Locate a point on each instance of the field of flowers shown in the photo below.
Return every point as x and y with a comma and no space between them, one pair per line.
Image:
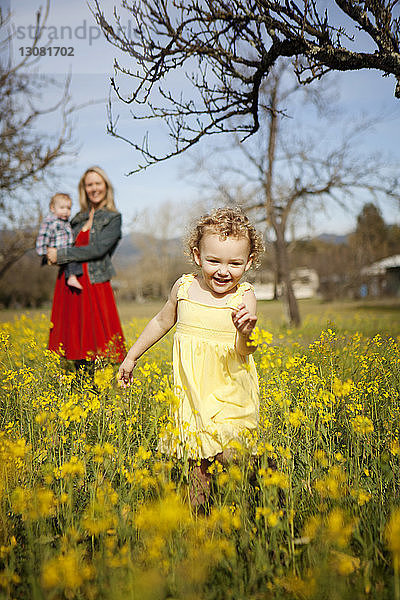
89,509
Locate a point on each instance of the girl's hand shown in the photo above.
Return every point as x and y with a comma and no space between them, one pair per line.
125,372
52,256
243,320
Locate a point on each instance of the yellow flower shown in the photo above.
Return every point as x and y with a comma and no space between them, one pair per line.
164,516
70,469
63,498
271,518
298,587
104,377
361,496
100,515
312,527
393,533
223,478
344,564
341,388
270,477
8,577
395,448
321,457
66,572
225,519
297,417
284,452
235,474
143,454
260,337
362,425
338,528
333,485
33,504
265,447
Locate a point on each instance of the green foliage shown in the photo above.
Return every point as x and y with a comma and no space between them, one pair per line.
89,508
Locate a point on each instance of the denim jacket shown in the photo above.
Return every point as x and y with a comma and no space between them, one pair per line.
105,234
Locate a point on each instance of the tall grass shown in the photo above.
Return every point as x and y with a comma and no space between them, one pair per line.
89,508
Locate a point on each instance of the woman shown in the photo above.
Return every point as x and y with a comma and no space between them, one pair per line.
85,323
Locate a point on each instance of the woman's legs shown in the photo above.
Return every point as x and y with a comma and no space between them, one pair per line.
85,367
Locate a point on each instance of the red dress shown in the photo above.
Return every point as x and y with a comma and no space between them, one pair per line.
85,323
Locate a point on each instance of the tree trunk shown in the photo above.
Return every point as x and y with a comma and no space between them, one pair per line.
277,273
291,301
276,221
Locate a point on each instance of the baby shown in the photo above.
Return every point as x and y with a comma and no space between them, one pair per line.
55,231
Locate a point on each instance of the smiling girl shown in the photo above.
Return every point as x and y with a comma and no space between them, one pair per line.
214,373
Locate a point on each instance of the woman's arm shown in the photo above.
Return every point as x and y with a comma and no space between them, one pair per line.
245,319
98,247
154,331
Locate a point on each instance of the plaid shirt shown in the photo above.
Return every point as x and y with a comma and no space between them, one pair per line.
54,233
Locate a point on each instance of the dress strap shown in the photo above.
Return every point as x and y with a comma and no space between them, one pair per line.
186,281
237,297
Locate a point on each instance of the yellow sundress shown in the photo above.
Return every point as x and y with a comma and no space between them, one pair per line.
216,388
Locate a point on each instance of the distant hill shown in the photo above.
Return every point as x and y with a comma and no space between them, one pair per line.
132,245
333,238
129,246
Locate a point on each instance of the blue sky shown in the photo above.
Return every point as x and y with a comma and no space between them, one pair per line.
71,25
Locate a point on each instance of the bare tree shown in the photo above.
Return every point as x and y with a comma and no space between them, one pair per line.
29,154
26,283
284,172
227,48
159,259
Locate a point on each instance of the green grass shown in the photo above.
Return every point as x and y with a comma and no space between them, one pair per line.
385,312
89,509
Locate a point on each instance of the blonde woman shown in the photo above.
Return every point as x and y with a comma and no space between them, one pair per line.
85,323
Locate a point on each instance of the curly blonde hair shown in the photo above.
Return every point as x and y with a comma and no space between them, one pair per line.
226,221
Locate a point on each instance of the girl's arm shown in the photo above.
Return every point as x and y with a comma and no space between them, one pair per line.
154,331
245,319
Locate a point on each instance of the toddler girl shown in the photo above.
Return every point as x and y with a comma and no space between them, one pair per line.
214,373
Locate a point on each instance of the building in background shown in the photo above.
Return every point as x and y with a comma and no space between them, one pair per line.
305,285
382,278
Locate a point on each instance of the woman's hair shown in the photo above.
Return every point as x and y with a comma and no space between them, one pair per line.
83,199
226,221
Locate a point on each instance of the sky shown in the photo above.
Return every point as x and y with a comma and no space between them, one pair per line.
88,58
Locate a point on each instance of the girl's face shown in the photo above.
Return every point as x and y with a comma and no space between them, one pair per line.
96,189
223,261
